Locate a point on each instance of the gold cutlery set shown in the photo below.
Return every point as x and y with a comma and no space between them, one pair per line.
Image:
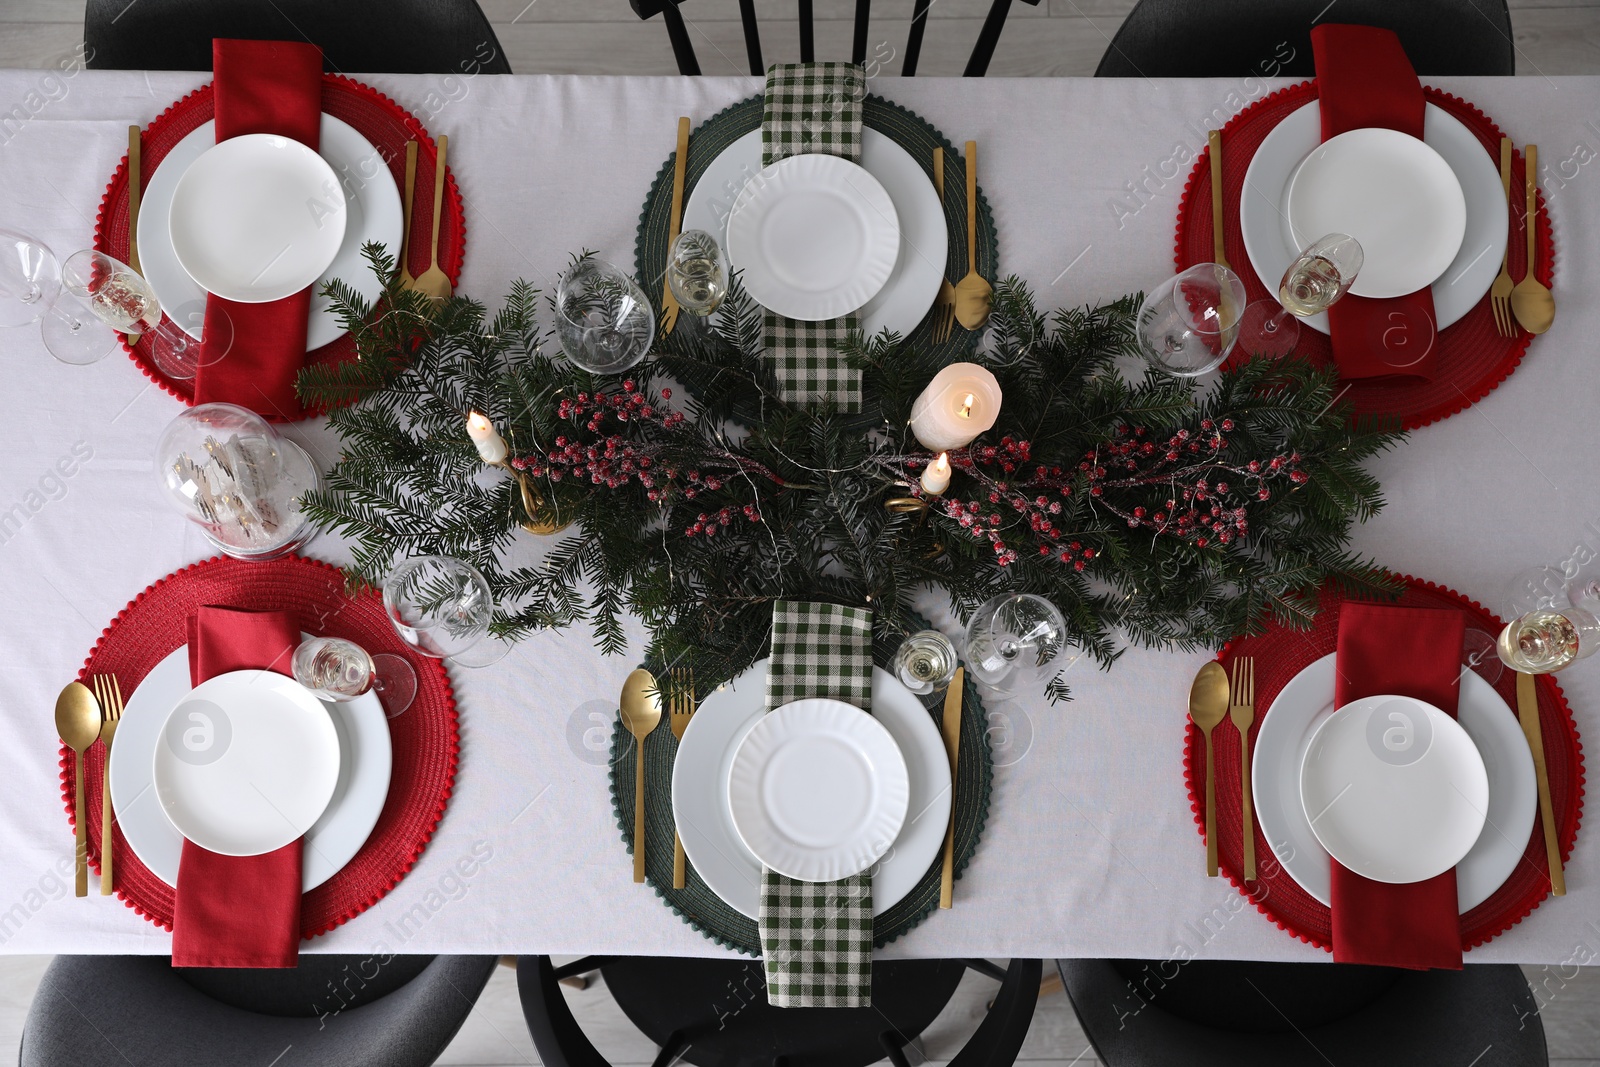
1528,303
1211,699
434,281
82,718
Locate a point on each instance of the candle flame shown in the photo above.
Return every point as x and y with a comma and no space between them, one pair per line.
966,406
942,464
477,421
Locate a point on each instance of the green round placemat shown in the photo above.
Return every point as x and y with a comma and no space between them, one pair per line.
708,913
906,128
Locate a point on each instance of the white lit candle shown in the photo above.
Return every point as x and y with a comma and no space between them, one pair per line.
936,478
962,401
491,446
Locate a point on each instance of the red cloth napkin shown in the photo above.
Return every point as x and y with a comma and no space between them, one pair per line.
261,87
1364,79
1414,652
238,911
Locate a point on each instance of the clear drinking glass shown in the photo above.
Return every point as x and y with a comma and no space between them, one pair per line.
30,279
119,296
1015,637
1268,331
1545,640
1321,274
339,670
604,321
441,606
697,274
925,662
1189,323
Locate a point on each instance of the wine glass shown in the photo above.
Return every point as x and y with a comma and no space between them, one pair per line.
339,670
121,298
30,279
1189,323
925,662
1546,640
604,321
1321,274
696,272
441,606
1015,637
1267,330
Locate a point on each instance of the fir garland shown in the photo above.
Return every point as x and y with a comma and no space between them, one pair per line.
1150,511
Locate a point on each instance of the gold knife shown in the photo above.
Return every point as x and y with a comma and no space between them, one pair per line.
1528,713
133,208
952,746
407,279
669,303
1217,255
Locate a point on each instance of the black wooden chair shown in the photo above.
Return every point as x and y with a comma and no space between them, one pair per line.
683,47
1272,38
714,1013
1147,1013
390,36
330,1011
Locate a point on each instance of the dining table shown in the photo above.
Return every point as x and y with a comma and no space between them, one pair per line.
1090,847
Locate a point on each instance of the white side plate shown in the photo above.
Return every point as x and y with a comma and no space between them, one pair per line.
1263,217
924,236
705,759
1285,734
372,204
358,797
816,237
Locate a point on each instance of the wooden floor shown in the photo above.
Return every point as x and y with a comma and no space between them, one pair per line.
1059,38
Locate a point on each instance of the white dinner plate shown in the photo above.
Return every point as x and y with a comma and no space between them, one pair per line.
1394,788
924,235
358,798
257,218
1271,245
372,207
818,790
705,761
1285,735
1391,192
816,236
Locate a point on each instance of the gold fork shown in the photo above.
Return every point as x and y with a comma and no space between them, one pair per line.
681,707
944,305
109,692
1242,710
1500,292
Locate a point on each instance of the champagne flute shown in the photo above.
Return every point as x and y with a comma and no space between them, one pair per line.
1546,640
696,272
120,297
1321,274
339,670
925,662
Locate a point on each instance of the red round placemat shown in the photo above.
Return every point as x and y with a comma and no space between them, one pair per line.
1280,654
1479,358
377,118
424,736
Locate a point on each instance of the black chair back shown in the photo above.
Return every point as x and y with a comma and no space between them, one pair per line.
1272,38
683,47
356,36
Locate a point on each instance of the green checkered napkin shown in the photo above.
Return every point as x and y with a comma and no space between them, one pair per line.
812,107
816,937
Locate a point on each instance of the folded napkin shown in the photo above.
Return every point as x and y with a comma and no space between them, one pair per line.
261,87
238,911
1414,652
816,937
812,108
1364,79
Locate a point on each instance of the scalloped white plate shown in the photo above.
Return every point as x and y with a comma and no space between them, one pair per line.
816,237
819,790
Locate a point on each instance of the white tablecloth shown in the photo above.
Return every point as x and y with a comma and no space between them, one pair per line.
1090,849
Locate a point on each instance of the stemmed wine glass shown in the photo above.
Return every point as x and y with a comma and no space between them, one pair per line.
1189,323
697,274
442,607
605,323
1321,274
30,279
120,297
339,670
1015,637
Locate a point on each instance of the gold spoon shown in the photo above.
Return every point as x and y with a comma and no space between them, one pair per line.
1532,303
434,281
973,292
1208,704
78,722
641,713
